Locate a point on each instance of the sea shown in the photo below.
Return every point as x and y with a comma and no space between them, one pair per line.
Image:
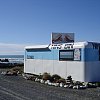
13,58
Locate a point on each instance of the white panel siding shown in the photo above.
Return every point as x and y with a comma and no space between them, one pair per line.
48,66
76,70
33,66
62,68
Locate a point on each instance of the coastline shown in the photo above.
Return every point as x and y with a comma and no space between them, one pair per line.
8,61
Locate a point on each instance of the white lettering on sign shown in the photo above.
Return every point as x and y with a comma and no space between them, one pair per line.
59,46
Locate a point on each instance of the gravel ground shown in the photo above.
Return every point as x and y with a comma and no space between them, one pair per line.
17,88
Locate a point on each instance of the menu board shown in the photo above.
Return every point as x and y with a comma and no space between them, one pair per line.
77,54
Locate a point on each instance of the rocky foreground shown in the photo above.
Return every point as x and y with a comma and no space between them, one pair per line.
17,88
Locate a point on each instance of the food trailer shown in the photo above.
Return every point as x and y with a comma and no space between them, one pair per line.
81,60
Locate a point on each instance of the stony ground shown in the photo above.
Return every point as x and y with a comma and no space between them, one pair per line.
17,88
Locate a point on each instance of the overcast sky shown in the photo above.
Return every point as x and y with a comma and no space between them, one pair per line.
32,22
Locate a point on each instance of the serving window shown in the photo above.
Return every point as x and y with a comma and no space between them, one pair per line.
66,55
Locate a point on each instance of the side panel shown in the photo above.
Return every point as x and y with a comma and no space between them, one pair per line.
33,66
76,70
48,66
38,66
91,54
92,65
60,68
92,71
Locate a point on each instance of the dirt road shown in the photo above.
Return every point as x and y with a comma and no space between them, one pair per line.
17,88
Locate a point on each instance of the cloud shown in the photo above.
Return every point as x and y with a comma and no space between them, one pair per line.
6,48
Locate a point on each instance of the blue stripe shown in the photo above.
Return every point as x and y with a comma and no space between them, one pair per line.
87,54
45,55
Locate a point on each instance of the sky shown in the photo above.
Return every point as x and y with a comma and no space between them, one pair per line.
29,22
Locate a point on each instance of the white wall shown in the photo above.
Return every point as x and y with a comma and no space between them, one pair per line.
76,70
62,68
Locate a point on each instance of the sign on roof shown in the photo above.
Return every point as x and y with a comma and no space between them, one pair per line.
57,38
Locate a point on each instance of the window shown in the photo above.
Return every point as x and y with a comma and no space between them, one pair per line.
30,57
66,55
